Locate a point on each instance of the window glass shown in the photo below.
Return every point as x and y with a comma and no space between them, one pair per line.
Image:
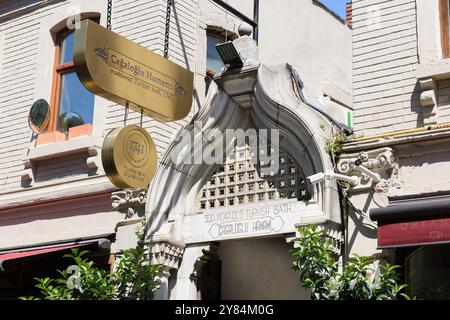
213,60
428,272
75,103
67,48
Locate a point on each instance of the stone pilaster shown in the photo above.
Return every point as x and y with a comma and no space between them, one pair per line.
168,256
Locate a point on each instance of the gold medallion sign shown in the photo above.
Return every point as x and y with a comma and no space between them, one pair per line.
129,157
122,71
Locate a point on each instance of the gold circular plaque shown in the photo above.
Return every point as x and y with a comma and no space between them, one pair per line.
129,157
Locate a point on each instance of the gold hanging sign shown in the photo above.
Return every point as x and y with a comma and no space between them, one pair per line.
129,157
122,71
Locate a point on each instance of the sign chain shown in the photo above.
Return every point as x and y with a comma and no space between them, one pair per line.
109,15
126,114
167,32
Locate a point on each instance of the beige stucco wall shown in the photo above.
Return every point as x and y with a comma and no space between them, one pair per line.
259,269
56,221
312,40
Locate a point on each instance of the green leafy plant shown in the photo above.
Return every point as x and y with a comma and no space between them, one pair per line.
334,145
133,279
359,280
322,126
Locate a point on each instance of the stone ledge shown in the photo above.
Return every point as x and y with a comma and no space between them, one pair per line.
438,71
56,191
378,142
63,148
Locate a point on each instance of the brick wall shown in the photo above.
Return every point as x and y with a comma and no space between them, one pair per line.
348,13
18,78
384,63
21,30
443,101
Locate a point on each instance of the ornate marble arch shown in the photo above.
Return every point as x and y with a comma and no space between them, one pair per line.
184,208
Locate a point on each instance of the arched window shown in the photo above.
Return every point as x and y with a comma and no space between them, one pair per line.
72,105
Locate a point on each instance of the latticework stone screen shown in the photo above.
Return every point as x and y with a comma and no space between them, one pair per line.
240,181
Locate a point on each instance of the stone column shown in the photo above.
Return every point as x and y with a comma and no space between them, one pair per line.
189,271
167,255
163,278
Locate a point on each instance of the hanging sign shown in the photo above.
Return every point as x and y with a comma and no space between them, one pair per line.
129,157
122,71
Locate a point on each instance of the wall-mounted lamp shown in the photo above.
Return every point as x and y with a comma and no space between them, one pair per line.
229,55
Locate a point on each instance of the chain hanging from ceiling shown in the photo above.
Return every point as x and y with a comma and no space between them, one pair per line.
167,31
109,15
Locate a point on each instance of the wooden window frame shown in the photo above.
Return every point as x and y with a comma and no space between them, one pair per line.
58,71
444,22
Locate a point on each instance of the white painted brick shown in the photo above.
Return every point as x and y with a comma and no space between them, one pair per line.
384,67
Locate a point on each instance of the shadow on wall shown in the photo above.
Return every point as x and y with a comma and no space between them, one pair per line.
416,107
364,227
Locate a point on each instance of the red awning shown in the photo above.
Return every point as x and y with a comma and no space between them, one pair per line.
413,232
29,253
413,222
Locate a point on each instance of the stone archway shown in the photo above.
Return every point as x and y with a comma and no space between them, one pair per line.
256,97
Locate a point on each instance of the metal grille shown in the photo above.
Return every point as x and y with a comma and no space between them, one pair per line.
239,181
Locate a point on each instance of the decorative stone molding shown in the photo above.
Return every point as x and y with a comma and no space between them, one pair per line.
258,97
27,172
130,202
79,145
93,160
380,161
165,254
334,233
428,101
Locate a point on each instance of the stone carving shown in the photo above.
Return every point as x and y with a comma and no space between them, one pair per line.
334,233
428,101
248,50
380,161
225,188
93,160
165,254
271,103
27,172
130,202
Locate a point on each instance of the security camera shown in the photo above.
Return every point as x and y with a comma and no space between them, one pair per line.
316,178
329,175
356,164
